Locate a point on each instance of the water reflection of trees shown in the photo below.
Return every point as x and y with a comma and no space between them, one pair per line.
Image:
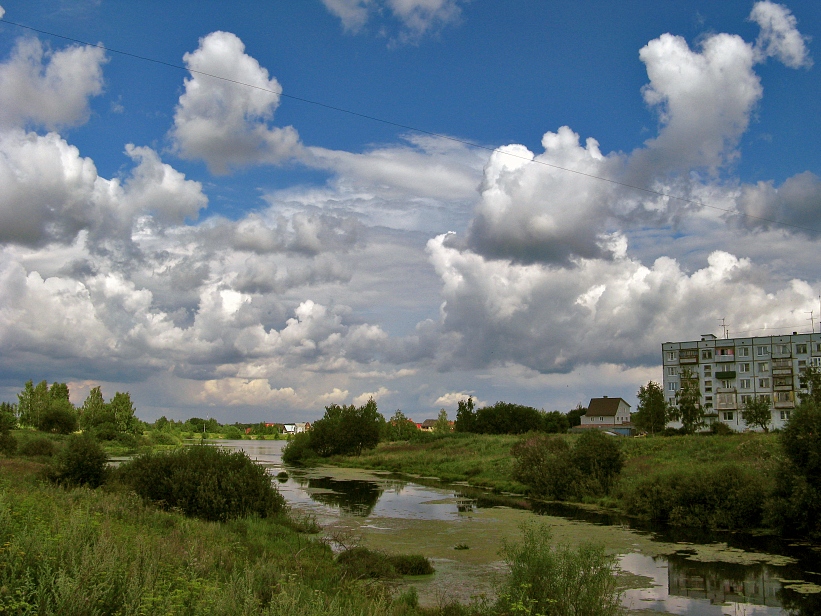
353,496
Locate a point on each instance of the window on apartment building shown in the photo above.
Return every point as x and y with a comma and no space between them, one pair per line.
708,369
801,349
818,347
728,415
764,397
743,352
726,383
672,370
708,386
816,362
671,400
802,363
746,398
783,396
744,383
672,386
761,351
784,349
763,382
763,366
671,356
744,367
785,415
706,354
725,352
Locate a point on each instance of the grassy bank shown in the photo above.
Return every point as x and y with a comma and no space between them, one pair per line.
749,460
480,459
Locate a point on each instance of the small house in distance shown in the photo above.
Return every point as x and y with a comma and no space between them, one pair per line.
296,428
611,414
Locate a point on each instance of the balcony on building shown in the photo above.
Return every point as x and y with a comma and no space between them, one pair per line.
688,356
726,399
784,400
782,366
725,375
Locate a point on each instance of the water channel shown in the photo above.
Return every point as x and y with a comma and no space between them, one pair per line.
461,529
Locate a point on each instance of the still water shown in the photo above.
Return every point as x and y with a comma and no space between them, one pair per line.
664,571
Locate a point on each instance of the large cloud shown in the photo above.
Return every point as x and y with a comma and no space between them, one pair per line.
554,319
48,88
224,123
797,202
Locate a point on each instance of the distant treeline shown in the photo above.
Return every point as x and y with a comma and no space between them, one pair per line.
509,418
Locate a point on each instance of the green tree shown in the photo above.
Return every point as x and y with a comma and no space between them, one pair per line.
599,459
688,409
33,402
652,411
400,428
123,410
95,411
8,422
346,430
555,422
465,416
574,417
810,380
442,424
60,417
756,412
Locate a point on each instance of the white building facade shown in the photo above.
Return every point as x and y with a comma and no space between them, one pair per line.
729,371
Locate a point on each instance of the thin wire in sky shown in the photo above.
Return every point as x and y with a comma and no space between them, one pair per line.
422,131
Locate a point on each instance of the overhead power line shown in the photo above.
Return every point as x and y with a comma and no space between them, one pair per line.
365,116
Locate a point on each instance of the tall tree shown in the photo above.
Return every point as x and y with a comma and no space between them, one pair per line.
94,411
465,416
574,417
756,412
442,424
688,409
653,410
123,411
810,379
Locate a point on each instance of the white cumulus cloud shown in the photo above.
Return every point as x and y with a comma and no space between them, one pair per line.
49,88
223,123
779,37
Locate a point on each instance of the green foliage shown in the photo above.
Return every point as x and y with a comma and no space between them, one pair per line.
507,418
346,430
574,417
39,446
727,496
721,429
756,412
123,410
465,416
810,380
399,428
442,424
362,563
554,470
80,462
555,422
8,421
59,417
688,409
203,482
232,432
652,411
298,450
801,440
557,581
599,458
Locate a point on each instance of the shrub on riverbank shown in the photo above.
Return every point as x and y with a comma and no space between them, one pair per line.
557,580
552,469
203,482
726,496
80,462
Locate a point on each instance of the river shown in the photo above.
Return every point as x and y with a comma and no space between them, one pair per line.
664,570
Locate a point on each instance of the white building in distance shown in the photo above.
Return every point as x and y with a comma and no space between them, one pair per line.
730,371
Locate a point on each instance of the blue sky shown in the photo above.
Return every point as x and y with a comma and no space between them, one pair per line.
216,249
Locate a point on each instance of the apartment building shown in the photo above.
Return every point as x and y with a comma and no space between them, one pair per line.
729,371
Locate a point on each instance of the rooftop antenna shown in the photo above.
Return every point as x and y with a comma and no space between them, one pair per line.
724,327
812,319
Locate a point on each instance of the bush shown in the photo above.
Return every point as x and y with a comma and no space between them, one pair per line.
554,470
721,429
204,482
556,581
8,444
59,418
723,497
40,446
362,563
81,461
160,437
544,464
232,432
298,450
